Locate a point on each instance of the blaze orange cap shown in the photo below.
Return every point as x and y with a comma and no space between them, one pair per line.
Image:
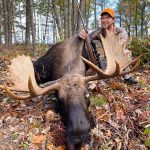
110,11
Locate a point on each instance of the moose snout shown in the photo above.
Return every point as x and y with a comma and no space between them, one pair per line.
77,136
78,128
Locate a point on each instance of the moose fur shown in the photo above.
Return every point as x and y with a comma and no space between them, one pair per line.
63,60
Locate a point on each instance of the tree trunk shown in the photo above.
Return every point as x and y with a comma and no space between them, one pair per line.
69,19
136,12
5,24
142,18
79,18
87,14
32,27
7,16
126,19
54,33
10,21
95,17
73,17
20,18
64,18
56,18
13,23
47,15
28,24
129,24
38,29
1,23
120,17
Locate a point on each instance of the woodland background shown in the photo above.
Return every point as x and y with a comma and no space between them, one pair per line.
121,112
49,21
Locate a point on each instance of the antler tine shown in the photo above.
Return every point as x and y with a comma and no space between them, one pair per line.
101,74
94,67
14,96
40,91
136,61
33,91
2,87
131,70
133,62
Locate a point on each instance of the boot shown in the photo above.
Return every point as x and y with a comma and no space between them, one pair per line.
130,80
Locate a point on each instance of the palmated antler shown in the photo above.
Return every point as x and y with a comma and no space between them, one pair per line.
23,77
117,59
22,71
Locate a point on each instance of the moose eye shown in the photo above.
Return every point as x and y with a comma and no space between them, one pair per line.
61,99
88,102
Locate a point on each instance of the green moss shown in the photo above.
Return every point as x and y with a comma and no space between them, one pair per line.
98,100
15,136
147,131
147,143
25,145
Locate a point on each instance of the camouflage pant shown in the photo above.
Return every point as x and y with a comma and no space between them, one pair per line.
127,76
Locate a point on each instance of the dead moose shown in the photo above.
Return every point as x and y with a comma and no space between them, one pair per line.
62,69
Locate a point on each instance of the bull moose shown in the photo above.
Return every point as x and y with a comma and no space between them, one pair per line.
62,69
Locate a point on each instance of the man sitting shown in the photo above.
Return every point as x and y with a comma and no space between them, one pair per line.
108,22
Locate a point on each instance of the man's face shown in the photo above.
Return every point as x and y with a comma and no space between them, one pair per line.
107,21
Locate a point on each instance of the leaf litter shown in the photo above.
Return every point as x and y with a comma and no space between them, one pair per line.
121,123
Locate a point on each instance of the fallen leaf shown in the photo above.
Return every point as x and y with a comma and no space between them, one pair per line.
1,134
33,147
108,133
102,115
50,115
84,148
119,143
119,112
38,139
117,86
50,146
61,148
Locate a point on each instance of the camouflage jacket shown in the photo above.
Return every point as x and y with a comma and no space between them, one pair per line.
118,30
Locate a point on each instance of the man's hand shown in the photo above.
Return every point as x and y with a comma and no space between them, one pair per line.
83,34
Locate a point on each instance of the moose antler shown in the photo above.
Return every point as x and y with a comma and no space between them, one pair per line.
23,77
117,59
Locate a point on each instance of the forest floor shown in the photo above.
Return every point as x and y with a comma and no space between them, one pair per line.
120,112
